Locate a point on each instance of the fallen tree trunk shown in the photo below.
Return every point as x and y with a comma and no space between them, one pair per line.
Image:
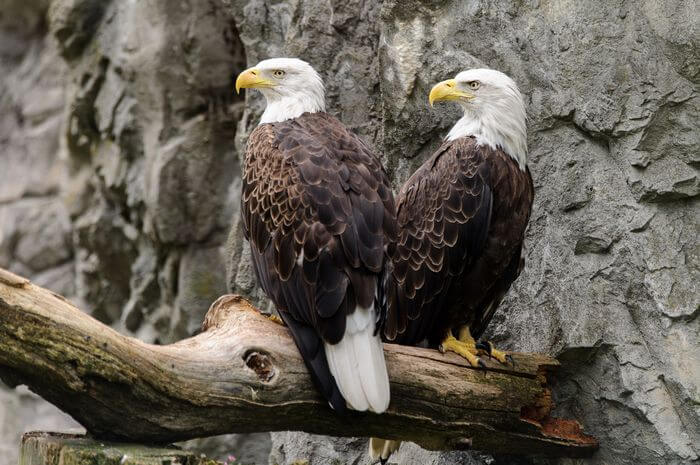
244,374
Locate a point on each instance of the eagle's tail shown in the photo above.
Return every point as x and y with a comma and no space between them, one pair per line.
357,363
309,344
381,449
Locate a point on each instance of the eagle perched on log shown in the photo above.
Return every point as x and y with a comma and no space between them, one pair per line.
319,213
462,217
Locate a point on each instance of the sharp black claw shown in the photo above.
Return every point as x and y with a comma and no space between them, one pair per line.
484,346
510,359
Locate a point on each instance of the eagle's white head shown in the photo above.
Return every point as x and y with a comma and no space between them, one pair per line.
290,86
494,111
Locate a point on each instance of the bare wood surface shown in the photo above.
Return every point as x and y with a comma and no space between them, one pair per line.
244,374
77,449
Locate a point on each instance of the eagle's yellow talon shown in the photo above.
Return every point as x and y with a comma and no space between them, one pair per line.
276,319
465,346
499,355
488,349
464,349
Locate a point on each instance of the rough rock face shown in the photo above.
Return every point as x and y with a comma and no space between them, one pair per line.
35,225
117,187
120,148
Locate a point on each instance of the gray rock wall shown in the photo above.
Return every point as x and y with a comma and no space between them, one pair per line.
120,143
35,224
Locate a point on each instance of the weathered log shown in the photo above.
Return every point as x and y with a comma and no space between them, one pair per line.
244,374
76,449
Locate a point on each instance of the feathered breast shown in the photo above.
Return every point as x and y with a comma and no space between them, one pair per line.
445,216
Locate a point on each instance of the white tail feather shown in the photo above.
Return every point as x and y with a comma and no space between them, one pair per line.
357,363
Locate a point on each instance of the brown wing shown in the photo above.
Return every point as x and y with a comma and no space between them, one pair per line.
443,214
317,210
512,209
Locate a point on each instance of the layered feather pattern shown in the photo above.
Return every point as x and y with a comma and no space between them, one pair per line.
319,213
462,218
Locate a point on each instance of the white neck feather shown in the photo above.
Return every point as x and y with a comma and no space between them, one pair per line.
281,108
299,93
291,87
499,124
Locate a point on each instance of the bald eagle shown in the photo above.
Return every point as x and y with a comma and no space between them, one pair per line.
462,217
319,214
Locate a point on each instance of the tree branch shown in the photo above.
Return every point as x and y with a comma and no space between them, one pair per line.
244,374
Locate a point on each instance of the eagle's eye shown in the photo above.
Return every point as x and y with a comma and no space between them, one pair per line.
474,85
278,73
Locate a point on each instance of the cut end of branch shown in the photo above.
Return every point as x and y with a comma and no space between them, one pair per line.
562,429
567,429
222,308
538,414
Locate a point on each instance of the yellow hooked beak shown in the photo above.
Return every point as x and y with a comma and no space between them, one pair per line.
447,90
251,78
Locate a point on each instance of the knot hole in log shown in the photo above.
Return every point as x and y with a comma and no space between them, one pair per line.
261,364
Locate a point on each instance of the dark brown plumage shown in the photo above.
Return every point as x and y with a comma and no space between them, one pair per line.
462,219
319,214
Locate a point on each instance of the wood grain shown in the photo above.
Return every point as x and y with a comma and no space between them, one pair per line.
244,374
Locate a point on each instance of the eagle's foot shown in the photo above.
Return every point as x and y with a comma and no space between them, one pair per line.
487,348
275,319
381,449
464,349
